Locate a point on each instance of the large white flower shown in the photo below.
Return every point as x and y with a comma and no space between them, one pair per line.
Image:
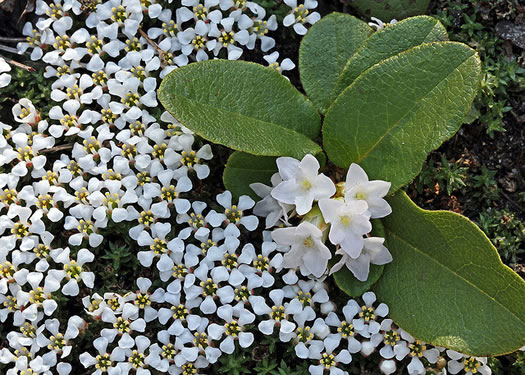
374,252
307,248
358,187
349,222
301,183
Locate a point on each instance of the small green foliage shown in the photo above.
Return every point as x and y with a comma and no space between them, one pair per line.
234,364
485,186
31,85
118,254
266,367
506,231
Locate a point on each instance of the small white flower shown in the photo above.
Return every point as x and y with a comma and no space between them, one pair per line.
300,15
380,25
471,365
414,349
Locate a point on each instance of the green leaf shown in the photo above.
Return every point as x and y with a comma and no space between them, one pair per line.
242,169
389,9
388,42
399,110
324,51
347,282
242,105
447,285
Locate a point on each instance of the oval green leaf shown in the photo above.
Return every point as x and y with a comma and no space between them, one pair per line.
399,110
324,51
389,9
388,42
242,105
243,169
447,285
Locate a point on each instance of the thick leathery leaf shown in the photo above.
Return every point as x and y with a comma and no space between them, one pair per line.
447,285
388,42
242,169
389,9
242,105
324,51
399,110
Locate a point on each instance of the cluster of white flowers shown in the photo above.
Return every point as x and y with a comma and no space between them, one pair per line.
347,209
107,158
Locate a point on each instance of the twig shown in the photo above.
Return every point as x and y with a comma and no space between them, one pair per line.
13,40
151,42
512,203
66,146
154,45
19,65
8,49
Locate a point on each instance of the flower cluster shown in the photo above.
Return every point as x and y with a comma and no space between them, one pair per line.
106,162
347,208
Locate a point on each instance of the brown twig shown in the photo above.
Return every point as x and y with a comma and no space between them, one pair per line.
66,146
19,65
154,45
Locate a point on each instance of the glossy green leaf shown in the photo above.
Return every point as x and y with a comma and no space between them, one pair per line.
242,105
347,282
324,51
389,9
447,285
242,169
399,110
388,42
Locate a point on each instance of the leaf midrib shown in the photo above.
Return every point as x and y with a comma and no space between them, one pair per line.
242,117
356,55
416,249
409,112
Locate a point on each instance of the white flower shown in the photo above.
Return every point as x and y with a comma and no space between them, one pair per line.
414,349
284,66
5,78
349,222
300,15
268,206
104,361
358,187
72,271
373,253
471,365
234,213
233,328
307,248
368,314
278,313
380,25
301,183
